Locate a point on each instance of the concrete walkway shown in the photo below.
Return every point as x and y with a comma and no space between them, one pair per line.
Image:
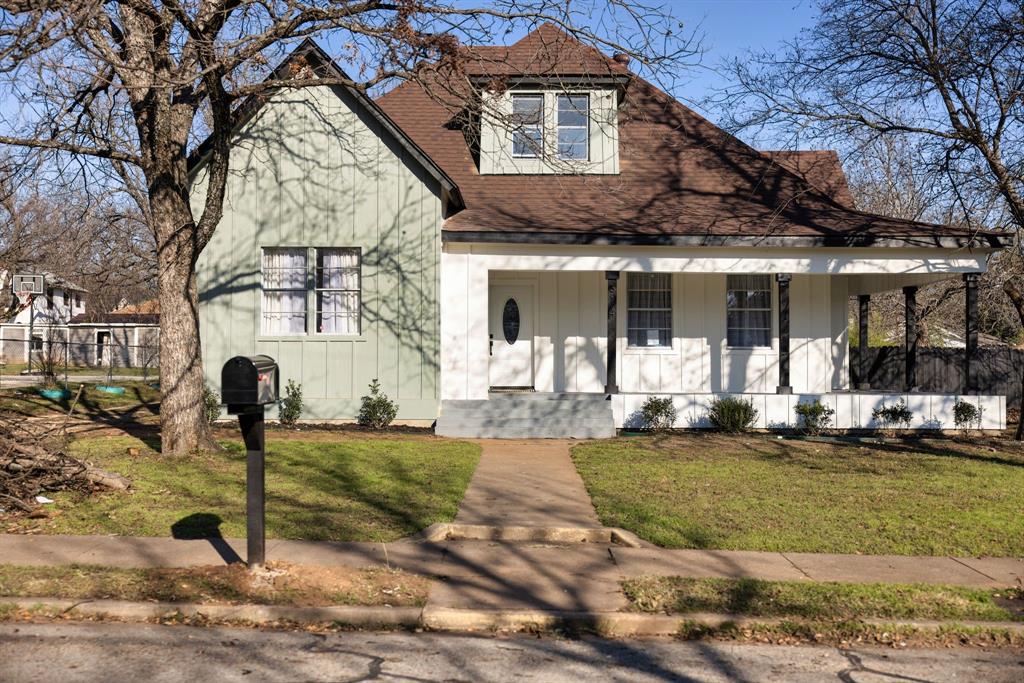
527,483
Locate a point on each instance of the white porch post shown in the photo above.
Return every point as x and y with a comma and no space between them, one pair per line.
464,342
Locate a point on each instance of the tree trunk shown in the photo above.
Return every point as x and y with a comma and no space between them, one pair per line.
1017,298
183,425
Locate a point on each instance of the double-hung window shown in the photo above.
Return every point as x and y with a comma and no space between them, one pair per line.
337,291
284,290
528,126
749,310
573,127
287,285
649,309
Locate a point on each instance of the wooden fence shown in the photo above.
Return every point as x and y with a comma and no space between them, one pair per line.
997,370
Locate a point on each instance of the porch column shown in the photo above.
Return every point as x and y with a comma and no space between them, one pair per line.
612,276
910,338
784,385
971,332
864,301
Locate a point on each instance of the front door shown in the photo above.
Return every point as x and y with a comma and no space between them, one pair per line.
510,314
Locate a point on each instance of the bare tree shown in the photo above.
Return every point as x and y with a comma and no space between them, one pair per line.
886,177
945,75
132,85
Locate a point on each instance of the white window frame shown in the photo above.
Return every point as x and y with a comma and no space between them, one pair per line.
319,291
632,279
770,310
518,127
311,292
559,127
264,289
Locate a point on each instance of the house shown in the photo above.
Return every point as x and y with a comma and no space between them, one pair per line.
63,300
128,336
540,261
41,325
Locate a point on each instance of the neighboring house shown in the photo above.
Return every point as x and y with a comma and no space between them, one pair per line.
579,235
128,336
62,301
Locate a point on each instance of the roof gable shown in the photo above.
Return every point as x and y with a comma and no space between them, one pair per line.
308,53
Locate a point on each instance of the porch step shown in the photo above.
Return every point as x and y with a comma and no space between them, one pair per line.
528,416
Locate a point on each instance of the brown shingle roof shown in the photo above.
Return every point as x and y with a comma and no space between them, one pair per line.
680,175
820,167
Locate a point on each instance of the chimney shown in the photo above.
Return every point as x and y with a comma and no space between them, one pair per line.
621,58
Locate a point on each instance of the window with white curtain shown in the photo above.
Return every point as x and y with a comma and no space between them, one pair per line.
749,310
284,290
649,309
337,291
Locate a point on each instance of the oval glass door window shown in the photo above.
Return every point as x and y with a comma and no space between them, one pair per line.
510,321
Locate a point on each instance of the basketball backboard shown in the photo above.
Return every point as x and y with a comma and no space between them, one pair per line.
28,283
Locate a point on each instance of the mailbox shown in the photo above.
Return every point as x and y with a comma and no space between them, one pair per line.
249,381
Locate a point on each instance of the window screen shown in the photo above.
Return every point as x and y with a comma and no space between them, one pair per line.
573,126
528,125
749,310
649,309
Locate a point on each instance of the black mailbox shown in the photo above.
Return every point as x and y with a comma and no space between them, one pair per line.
249,381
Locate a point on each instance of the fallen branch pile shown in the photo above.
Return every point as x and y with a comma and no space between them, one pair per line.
34,460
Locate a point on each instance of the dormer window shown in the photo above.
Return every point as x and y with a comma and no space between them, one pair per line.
528,122
573,127
547,129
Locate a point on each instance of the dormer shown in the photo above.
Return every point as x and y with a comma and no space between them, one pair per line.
550,128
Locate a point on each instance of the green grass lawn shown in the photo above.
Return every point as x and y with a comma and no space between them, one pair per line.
823,601
325,486
757,492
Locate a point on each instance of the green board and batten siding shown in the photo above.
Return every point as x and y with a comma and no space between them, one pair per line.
312,169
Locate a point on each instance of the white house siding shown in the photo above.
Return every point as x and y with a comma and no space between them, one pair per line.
570,351
570,310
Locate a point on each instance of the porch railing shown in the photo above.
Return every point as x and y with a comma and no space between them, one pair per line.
997,371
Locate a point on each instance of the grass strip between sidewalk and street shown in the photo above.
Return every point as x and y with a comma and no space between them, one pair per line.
822,600
277,584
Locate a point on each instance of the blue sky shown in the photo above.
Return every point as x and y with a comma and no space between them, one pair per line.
732,27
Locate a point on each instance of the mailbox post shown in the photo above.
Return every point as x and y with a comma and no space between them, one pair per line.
248,384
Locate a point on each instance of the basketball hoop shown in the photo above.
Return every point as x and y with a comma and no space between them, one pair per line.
24,299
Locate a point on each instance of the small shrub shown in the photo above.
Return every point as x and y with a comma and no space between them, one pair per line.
658,414
290,409
377,410
211,404
891,417
814,417
731,414
966,416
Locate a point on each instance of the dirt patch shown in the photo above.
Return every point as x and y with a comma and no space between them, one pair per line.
279,583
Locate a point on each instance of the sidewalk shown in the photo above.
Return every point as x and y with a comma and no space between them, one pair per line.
448,557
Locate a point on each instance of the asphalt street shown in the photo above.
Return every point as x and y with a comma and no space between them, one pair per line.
109,652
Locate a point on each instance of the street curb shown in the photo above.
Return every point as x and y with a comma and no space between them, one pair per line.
400,617
609,624
443,531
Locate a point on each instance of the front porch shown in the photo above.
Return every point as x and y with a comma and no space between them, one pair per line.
770,325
